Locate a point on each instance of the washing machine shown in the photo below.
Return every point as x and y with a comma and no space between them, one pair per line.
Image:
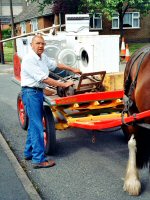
95,52
56,48
82,44
54,45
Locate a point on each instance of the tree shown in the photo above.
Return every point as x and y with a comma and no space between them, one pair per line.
107,7
60,6
110,7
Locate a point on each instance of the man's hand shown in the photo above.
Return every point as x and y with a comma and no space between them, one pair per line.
76,71
67,84
56,83
66,67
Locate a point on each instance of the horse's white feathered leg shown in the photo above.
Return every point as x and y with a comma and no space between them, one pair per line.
132,183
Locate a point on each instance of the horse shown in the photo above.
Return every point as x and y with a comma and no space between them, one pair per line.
137,99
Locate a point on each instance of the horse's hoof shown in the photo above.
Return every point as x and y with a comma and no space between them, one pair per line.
133,187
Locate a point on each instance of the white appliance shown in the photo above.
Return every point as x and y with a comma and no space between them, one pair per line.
23,45
58,49
54,45
107,56
85,50
95,52
77,22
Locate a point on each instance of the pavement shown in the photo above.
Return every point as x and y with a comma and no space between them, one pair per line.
14,184
6,68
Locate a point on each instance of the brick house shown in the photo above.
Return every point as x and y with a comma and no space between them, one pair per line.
5,15
31,19
136,27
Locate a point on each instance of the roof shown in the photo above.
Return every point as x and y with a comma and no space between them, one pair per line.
14,2
32,11
5,19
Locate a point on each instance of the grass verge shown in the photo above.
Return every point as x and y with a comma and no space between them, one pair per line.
135,46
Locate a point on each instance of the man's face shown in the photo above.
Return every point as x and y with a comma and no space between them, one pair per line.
37,45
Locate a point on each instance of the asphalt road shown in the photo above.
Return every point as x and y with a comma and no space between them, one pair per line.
83,170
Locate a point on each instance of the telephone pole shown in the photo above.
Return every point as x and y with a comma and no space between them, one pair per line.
13,27
1,47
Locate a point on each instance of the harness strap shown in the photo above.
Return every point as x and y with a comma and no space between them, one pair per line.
133,84
144,125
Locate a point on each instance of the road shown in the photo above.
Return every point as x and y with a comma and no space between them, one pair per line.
84,170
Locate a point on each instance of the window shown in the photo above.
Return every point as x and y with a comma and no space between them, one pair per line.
96,21
23,27
34,25
130,20
115,21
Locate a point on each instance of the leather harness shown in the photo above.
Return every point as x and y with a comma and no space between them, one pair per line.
130,85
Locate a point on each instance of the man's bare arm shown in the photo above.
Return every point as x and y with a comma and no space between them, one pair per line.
53,82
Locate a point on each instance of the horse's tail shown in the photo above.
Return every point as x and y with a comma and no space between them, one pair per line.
143,148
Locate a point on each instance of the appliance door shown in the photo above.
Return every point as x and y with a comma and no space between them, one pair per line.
85,55
52,51
67,57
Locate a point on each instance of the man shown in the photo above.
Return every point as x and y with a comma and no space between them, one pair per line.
34,78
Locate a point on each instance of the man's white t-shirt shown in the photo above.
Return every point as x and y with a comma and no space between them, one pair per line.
35,69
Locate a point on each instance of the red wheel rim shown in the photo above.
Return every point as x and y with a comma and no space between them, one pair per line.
45,134
21,111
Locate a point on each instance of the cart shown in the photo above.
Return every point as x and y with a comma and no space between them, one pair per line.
92,109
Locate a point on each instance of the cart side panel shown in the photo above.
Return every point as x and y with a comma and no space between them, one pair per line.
17,67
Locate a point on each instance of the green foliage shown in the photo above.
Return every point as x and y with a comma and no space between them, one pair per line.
8,54
65,6
135,46
6,33
90,6
43,4
8,44
111,6
105,6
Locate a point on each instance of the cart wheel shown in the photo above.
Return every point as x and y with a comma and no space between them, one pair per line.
49,131
23,118
69,91
65,92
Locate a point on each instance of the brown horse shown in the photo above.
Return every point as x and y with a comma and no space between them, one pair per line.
137,91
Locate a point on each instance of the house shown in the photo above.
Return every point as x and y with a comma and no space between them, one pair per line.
136,27
31,19
5,14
